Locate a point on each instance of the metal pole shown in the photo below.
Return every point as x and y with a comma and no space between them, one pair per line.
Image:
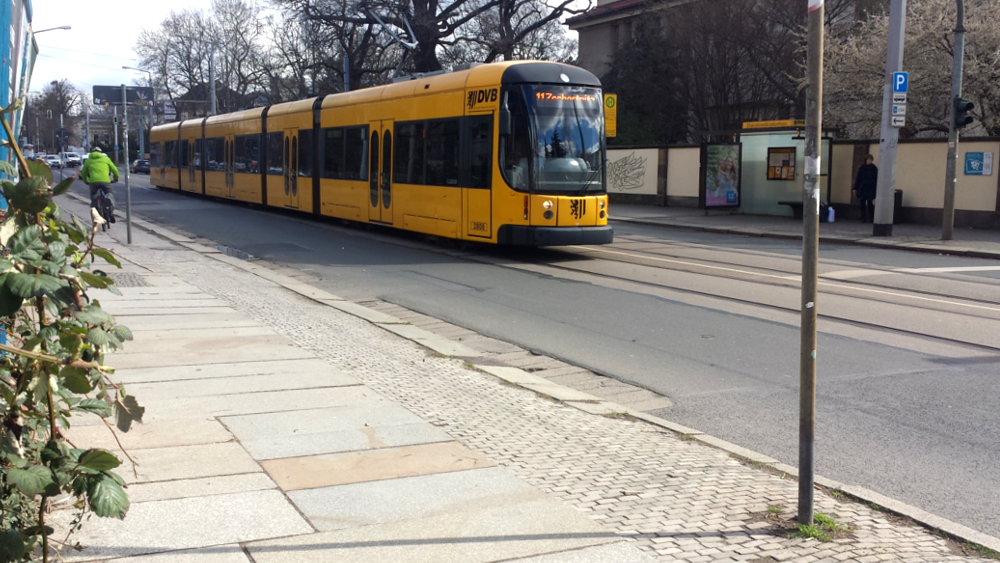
810,261
884,198
128,187
115,126
86,113
948,213
62,147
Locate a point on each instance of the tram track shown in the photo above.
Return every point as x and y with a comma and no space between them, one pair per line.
912,306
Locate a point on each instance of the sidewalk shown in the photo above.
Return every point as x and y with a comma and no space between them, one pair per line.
284,424
978,243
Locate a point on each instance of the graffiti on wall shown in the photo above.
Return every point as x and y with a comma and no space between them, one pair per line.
627,173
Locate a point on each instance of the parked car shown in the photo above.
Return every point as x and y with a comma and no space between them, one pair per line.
140,166
53,161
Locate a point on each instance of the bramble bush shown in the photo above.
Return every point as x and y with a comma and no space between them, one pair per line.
52,364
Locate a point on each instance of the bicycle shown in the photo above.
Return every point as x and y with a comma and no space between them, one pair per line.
103,205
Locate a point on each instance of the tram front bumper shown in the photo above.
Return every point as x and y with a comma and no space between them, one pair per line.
554,236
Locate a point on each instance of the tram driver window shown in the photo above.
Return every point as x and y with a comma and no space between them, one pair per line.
518,145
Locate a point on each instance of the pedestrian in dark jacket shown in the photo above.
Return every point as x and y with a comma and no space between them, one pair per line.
865,189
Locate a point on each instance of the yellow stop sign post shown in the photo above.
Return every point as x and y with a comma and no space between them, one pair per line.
611,115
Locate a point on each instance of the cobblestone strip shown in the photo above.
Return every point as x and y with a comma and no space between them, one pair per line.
675,498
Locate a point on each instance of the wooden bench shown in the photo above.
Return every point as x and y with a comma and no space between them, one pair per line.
796,208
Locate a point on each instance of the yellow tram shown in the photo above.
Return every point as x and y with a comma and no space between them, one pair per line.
505,153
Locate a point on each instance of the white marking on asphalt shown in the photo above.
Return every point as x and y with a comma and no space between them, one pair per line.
948,270
834,285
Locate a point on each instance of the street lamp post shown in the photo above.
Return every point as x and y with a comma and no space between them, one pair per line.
51,29
142,141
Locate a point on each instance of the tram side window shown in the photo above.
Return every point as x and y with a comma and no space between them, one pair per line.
305,152
246,154
199,150
170,154
356,153
481,148
275,156
333,153
155,151
442,153
215,154
185,154
517,147
409,165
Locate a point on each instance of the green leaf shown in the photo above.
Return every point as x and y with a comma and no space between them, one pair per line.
23,238
8,168
11,545
94,315
39,168
22,285
107,498
75,379
57,250
98,460
5,264
131,412
96,406
9,303
123,333
61,187
30,481
97,336
99,282
31,195
108,257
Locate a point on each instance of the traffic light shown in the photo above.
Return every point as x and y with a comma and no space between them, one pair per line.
962,109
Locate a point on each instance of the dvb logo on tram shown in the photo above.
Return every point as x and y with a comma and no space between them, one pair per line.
478,98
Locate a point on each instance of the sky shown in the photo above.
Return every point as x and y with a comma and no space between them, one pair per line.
101,41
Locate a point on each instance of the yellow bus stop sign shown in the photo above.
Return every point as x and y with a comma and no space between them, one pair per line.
611,115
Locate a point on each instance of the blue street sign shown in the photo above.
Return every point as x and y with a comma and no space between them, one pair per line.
974,163
900,81
116,147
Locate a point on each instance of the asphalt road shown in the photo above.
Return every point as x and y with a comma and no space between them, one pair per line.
907,396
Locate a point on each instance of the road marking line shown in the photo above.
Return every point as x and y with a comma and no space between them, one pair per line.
798,278
947,270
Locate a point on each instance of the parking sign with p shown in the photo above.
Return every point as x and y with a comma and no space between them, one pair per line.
900,81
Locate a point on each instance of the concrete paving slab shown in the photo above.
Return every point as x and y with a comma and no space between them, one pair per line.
201,340
369,424
602,408
155,294
313,472
619,552
162,280
222,321
232,553
200,333
160,434
276,368
253,403
245,350
521,526
245,384
188,462
513,375
164,302
365,504
172,311
201,487
153,527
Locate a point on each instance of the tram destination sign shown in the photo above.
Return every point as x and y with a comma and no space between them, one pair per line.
112,95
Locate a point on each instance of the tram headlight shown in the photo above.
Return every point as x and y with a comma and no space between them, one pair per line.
548,214
602,204
547,204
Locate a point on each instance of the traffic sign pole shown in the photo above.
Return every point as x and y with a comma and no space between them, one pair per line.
896,82
128,187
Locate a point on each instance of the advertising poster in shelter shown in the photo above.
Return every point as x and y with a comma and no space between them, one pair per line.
722,175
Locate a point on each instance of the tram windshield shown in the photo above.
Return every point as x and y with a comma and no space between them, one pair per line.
557,140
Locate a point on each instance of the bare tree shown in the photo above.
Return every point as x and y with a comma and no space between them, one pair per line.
58,99
513,30
855,70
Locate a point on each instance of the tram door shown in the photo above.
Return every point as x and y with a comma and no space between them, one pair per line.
291,171
230,164
380,172
193,160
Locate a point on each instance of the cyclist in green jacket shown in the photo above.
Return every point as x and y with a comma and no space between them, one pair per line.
97,172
